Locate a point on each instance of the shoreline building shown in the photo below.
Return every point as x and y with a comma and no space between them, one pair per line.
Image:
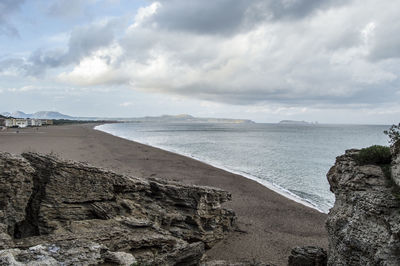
22,122
34,122
47,122
16,122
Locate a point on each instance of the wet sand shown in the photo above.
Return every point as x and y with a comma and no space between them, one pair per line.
270,224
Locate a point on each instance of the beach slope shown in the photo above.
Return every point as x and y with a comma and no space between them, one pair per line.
270,224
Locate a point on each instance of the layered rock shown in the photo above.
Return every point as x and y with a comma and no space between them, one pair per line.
364,224
67,212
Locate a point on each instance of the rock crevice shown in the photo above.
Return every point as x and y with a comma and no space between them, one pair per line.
31,225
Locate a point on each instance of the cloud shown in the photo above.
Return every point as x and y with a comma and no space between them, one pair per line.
7,8
96,69
66,8
317,60
86,39
384,37
83,41
230,16
291,53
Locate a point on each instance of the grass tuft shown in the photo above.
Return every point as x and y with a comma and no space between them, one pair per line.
377,155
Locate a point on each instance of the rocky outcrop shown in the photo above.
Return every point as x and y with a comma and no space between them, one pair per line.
55,211
364,224
307,256
395,169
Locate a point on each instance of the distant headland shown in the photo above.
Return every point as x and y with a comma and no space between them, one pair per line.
181,118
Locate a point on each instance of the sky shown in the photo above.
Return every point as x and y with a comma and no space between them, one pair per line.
331,61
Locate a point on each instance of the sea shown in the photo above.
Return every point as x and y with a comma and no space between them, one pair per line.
291,159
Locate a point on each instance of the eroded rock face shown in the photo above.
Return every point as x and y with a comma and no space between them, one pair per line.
76,214
364,224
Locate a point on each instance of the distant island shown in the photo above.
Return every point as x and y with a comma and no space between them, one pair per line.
182,118
295,122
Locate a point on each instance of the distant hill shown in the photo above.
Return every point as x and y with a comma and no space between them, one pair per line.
16,114
39,115
19,114
51,115
5,114
184,118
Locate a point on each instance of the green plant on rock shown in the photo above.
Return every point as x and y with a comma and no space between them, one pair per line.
393,133
378,155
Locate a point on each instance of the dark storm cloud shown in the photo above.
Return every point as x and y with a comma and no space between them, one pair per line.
230,16
201,16
7,8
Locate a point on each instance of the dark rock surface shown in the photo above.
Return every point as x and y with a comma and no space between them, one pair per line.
240,263
364,224
307,256
395,169
55,211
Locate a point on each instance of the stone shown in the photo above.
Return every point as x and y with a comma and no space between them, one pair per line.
119,258
66,253
307,256
75,214
364,223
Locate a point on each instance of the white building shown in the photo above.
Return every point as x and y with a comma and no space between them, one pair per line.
21,122
9,123
34,122
17,122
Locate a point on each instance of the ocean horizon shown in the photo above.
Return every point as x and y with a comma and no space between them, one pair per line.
290,159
